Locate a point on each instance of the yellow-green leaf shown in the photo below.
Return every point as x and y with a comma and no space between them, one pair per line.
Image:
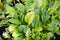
29,17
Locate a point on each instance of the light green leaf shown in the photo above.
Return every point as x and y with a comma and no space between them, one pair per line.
14,21
29,17
50,34
23,0
58,32
19,7
15,34
28,32
12,28
8,1
45,37
10,10
6,35
53,27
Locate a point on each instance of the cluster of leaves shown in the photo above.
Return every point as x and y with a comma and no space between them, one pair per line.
30,20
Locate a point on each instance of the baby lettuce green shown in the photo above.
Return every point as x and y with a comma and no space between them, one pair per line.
30,20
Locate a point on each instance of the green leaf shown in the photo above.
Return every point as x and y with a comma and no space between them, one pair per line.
57,22
12,28
6,35
36,4
56,5
8,1
3,22
23,28
24,0
53,27
58,32
28,32
38,28
36,14
44,3
50,34
19,38
19,7
28,4
33,35
14,21
0,38
45,37
16,34
10,10
29,17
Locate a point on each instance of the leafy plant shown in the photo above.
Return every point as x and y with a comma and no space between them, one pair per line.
30,19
